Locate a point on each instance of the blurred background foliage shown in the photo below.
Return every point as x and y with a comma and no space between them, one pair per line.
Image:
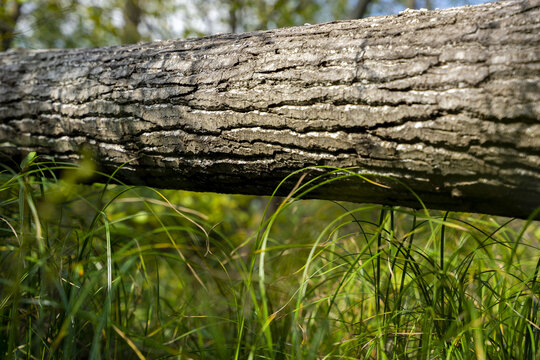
89,23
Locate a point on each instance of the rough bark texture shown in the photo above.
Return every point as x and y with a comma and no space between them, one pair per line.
444,101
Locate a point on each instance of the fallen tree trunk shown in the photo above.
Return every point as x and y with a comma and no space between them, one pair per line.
446,102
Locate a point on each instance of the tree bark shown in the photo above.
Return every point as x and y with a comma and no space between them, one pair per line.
445,102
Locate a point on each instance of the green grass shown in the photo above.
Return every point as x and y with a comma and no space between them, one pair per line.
119,272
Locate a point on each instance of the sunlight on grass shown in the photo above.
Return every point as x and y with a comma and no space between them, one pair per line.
112,271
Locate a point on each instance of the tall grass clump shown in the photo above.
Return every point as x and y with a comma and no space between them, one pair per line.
121,272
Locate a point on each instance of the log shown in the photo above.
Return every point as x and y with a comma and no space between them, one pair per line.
443,102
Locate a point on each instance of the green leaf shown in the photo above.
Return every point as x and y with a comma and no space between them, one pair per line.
28,159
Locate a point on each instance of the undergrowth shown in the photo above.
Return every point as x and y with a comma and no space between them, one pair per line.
120,272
